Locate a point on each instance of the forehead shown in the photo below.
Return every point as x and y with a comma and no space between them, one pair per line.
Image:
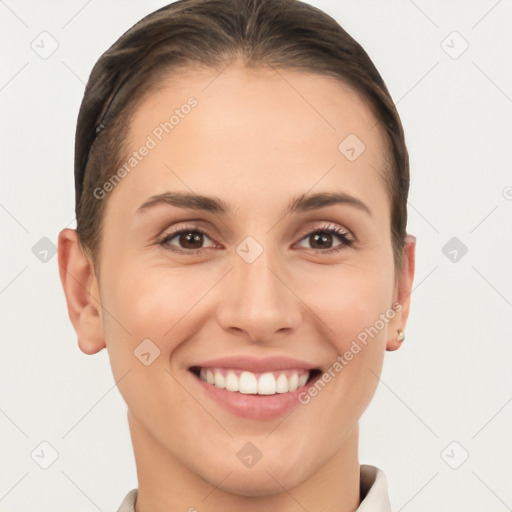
254,126
257,95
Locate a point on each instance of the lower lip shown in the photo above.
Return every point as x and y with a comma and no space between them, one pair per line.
258,407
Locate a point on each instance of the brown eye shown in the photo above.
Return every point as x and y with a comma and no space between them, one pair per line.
190,239
185,239
322,240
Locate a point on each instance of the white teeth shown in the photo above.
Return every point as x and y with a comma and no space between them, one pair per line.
302,380
219,381
282,384
293,382
231,382
268,383
248,384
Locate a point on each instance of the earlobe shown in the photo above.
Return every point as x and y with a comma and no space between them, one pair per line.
396,330
81,290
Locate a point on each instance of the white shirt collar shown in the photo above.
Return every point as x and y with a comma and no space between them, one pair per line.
374,492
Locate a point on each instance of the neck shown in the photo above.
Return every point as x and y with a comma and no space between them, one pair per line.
165,484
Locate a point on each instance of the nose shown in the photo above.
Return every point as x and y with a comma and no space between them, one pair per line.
259,301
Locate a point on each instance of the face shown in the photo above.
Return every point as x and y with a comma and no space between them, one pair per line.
255,283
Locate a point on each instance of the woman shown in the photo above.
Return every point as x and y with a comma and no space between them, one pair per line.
241,251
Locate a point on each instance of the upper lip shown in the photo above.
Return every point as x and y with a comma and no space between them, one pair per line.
256,364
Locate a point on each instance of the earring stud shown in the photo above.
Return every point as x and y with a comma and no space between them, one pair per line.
401,335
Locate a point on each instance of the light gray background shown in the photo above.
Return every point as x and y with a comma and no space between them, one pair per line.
450,381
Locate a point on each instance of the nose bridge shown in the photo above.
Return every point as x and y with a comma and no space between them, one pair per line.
258,282
260,303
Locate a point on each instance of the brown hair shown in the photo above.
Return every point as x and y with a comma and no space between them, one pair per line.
287,34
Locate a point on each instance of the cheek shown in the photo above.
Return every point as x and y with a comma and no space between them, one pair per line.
153,309
149,303
350,298
147,319
354,309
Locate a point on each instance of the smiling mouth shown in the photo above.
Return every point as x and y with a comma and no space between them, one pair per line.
255,383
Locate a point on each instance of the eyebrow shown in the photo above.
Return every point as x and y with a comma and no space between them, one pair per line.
302,203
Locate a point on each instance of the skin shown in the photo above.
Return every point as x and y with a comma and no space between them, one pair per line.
255,143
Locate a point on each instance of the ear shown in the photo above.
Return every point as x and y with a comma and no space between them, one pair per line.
82,292
402,294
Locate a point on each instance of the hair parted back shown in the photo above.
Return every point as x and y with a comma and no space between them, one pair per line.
285,34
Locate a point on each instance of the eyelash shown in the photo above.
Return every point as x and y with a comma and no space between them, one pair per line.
327,228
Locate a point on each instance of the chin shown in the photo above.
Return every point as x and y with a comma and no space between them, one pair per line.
254,483
265,478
